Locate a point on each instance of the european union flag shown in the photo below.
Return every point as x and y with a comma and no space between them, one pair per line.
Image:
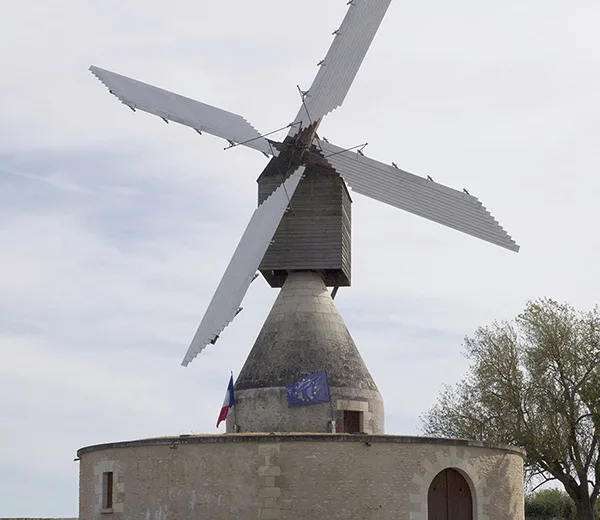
310,389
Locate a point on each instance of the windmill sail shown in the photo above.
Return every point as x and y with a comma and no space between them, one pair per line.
345,56
183,110
423,197
244,263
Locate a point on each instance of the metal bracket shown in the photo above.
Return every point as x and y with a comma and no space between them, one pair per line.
334,292
303,93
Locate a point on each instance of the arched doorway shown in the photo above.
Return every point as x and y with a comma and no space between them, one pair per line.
449,497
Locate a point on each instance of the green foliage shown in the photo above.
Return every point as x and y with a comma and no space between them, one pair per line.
534,383
549,504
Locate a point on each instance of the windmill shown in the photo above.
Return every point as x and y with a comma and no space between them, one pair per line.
308,175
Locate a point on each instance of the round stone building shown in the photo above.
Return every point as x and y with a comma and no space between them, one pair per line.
308,476
328,460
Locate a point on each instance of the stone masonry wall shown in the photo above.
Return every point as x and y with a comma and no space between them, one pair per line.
266,410
298,477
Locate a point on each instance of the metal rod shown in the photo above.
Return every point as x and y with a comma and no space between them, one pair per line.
316,124
233,145
333,426
346,150
235,424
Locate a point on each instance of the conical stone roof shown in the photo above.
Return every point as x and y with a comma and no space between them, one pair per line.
304,333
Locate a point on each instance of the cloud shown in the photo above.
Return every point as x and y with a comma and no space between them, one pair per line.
115,228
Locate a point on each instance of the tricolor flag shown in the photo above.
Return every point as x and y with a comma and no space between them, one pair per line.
228,402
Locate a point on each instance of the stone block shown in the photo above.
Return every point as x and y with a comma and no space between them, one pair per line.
270,492
269,471
270,514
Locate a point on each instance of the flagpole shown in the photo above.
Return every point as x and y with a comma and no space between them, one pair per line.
333,428
235,424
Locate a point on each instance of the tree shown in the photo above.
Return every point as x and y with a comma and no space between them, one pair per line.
549,504
534,383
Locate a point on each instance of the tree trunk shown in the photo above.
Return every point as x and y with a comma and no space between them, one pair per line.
585,510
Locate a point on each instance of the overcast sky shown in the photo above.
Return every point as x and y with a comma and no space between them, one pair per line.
115,228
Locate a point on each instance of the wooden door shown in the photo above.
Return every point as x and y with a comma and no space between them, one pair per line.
351,421
449,497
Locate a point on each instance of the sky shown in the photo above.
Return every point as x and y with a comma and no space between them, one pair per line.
116,228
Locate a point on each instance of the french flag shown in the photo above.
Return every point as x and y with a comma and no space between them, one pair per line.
228,402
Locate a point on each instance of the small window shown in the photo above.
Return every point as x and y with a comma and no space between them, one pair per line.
351,421
107,490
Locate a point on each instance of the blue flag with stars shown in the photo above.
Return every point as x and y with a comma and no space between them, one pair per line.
310,389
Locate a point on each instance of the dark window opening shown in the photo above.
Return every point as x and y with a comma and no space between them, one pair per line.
107,490
351,421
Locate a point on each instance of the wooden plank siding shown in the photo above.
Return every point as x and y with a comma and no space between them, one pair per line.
315,233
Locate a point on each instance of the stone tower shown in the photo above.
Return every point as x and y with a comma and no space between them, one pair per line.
305,333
